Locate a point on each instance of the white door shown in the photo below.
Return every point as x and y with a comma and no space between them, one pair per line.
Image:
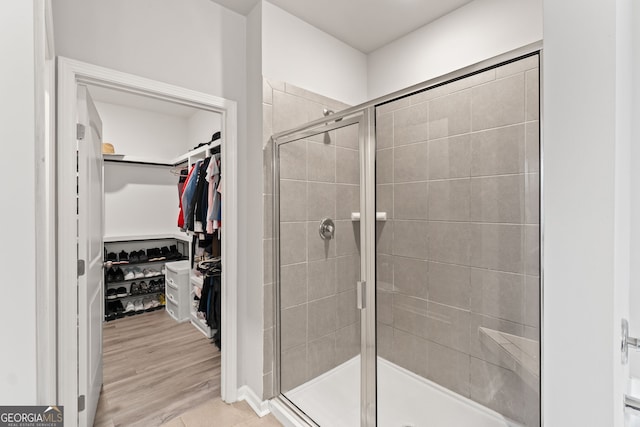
90,232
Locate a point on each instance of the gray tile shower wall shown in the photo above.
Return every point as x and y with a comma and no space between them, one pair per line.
458,175
319,178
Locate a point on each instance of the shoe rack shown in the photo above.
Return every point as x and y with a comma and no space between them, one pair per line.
134,273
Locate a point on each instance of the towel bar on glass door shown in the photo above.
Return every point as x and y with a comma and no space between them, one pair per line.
380,216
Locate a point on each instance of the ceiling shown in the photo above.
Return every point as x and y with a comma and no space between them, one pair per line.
363,24
132,100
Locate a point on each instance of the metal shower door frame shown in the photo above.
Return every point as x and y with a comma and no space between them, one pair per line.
365,120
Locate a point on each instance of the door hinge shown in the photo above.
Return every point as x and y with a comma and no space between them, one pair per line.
80,129
80,267
81,402
361,295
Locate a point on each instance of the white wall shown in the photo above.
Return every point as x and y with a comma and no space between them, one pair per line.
17,109
251,310
634,318
196,44
298,53
477,31
201,126
143,133
139,200
585,203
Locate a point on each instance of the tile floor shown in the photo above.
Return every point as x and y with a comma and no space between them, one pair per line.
216,413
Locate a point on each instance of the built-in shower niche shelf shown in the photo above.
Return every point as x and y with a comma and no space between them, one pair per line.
380,216
521,354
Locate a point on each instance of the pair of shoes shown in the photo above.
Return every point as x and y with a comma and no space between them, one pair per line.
138,256
155,303
123,257
115,275
156,285
117,293
139,288
114,310
111,256
144,288
154,254
173,253
150,272
130,308
133,273
161,299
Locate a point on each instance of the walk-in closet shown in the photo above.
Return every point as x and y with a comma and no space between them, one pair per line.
162,222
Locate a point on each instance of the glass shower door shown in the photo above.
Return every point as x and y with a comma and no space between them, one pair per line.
458,273
318,248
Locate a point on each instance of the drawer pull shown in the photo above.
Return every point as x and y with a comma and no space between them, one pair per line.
172,299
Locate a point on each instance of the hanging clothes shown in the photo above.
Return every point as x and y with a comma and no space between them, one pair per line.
187,194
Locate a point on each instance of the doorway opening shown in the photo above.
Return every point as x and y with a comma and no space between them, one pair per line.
156,276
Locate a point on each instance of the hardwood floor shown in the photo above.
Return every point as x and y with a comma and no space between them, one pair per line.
155,370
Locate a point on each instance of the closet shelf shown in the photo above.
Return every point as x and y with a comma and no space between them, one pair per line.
135,296
154,161
132,264
141,279
179,236
121,315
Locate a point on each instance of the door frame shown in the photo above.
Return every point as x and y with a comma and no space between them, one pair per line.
364,119
282,408
70,74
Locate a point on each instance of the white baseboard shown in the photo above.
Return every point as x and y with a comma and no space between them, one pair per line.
259,406
284,415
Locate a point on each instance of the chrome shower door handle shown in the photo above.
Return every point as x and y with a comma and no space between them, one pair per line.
627,342
327,229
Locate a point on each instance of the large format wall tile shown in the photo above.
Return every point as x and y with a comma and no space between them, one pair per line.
449,242
321,162
411,124
498,151
497,388
321,355
498,294
410,200
347,200
448,200
322,317
498,103
293,160
450,157
410,276
410,239
498,199
348,137
293,200
322,278
497,247
293,285
320,200
410,163
293,242
449,368
384,131
449,284
450,115
347,166
293,326
294,372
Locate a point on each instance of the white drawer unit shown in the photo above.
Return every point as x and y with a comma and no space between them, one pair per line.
177,289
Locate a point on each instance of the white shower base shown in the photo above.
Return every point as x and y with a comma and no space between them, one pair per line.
404,399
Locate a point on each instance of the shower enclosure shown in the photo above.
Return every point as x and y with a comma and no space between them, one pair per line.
407,235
